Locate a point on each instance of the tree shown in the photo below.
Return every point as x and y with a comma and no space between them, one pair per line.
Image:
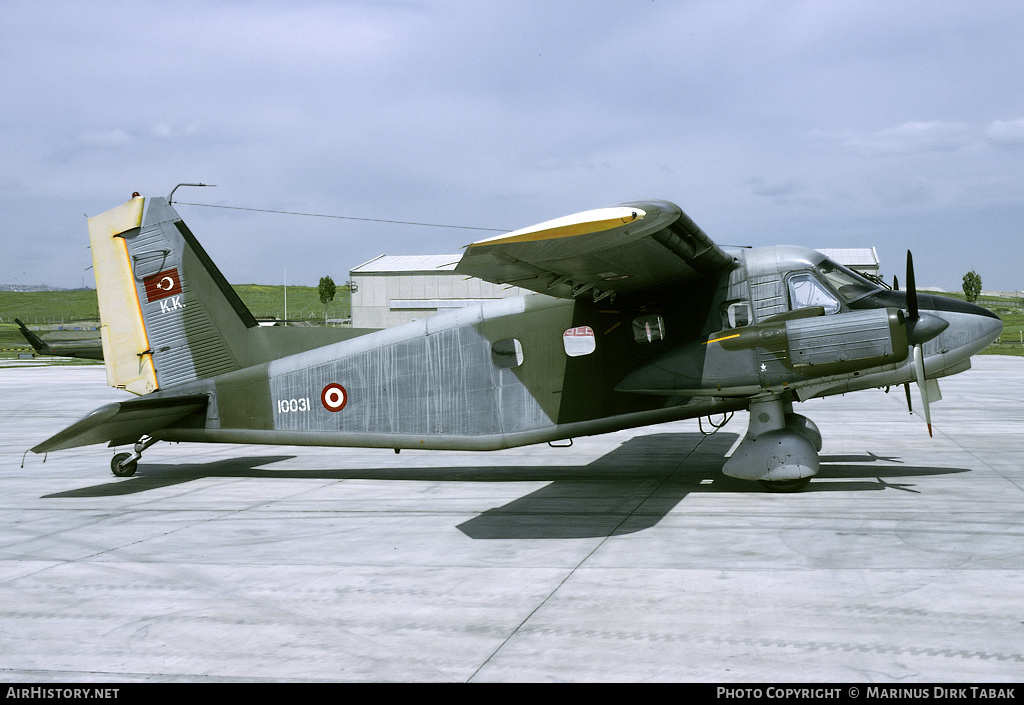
972,286
326,291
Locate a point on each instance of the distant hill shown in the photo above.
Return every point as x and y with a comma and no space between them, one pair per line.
35,287
48,305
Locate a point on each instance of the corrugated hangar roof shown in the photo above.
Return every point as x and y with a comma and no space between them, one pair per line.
387,264
852,256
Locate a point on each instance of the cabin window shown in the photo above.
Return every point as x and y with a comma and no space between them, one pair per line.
579,341
648,329
507,353
805,290
736,314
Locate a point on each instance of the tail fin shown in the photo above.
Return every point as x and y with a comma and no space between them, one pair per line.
168,315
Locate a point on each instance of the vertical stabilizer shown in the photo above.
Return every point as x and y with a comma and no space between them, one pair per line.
170,315
125,344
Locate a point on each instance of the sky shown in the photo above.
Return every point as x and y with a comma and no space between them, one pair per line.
894,125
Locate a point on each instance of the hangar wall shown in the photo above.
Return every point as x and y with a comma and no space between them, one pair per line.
395,289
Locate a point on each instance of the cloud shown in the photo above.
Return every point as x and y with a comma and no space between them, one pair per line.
912,138
105,138
1009,132
780,190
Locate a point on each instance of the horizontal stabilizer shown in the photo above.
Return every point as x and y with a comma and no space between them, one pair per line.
123,422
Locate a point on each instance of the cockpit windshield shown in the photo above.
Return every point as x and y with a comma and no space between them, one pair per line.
850,285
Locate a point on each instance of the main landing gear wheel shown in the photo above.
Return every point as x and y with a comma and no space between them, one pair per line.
125,464
127,470
785,485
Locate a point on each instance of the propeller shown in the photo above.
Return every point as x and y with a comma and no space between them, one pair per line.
921,327
919,366
913,313
913,316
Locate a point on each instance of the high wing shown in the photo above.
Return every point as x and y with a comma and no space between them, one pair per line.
627,248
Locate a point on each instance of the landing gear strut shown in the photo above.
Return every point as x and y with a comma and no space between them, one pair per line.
780,449
125,464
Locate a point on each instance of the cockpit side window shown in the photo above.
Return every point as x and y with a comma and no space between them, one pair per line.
805,290
850,285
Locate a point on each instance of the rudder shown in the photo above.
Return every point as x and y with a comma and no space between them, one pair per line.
168,315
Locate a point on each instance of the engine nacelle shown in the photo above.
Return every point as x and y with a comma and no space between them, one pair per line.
845,342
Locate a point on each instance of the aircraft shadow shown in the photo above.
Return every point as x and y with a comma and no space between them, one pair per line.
625,491
153,477
598,501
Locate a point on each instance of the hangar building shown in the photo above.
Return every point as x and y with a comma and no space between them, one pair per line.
394,289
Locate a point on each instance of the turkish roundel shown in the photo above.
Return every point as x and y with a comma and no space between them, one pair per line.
334,397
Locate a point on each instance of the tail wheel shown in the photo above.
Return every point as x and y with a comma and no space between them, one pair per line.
126,470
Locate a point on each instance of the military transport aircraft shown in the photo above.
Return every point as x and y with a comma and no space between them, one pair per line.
644,320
